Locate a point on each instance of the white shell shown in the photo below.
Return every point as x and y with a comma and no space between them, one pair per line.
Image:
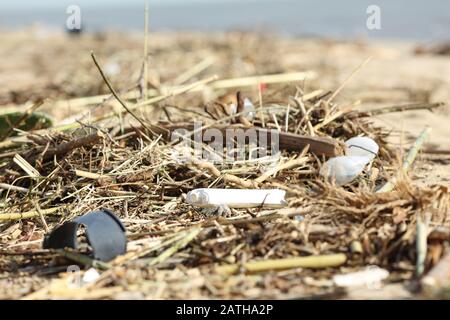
344,169
362,146
236,198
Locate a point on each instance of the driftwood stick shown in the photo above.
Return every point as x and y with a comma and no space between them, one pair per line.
287,141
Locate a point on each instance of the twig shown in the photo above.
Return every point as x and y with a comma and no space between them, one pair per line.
336,115
145,62
266,216
229,178
196,69
272,78
66,147
115,93
421,245
335,93
26,114
221,84
177,246
293,163
29,214
83,259
409,159
9,187
406,107
305,114
261,111
314,262
44,223
27,167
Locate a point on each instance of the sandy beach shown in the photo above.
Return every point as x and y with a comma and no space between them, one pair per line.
36,63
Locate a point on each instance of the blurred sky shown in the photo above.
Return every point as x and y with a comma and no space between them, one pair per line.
13,4
400,19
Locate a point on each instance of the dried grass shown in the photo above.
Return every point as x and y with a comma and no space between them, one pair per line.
174,249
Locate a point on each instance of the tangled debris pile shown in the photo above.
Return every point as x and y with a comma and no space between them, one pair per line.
121,157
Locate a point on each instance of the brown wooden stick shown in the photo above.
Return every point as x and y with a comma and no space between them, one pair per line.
287,141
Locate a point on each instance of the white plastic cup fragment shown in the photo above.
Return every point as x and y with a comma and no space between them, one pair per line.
362,146
344,169
236,198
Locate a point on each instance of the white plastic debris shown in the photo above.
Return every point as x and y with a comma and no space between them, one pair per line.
344,169
249,109
362,146
370,277
236,198
90,276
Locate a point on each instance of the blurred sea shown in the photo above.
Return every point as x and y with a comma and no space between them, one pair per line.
426,21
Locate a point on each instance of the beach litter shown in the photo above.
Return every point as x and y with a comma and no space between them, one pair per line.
105,235
287,222
371,277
